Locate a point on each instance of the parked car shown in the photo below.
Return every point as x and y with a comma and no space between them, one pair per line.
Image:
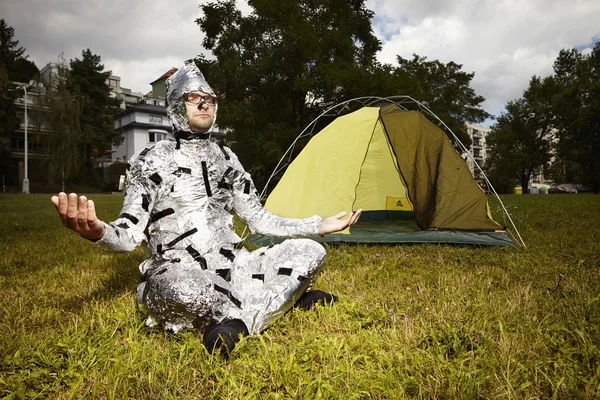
558,190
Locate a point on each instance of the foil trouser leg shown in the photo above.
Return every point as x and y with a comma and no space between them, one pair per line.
264,285
287,270
179,295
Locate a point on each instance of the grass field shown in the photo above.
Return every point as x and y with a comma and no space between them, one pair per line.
413,321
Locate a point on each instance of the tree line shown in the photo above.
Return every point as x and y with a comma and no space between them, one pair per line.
554,127
74,116
282,64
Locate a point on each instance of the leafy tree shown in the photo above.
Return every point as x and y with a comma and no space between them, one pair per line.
8,114
278,67
5,152
577,107
444,89
14,66
12,57
61,116
521,140
87,83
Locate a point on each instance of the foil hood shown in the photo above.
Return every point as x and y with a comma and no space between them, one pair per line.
186,79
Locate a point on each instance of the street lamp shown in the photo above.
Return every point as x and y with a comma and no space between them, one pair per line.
40,87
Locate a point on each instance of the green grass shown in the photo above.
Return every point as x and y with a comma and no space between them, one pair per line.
413,321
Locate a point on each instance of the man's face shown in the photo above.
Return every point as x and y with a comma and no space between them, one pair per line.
200,112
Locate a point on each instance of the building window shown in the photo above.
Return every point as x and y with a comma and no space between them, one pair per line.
154,119
119,123
154,137
112,82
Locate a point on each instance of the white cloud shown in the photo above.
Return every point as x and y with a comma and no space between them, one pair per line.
137,40
504,42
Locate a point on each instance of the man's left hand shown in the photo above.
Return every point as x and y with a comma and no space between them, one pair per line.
336,224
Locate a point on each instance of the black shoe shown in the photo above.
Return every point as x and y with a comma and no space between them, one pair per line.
309,299
222,337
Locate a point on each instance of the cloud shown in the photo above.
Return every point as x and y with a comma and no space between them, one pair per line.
137,40
504,42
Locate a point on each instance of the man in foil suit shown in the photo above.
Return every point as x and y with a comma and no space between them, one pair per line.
179,196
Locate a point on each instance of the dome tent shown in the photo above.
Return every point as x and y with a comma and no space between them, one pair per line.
396,165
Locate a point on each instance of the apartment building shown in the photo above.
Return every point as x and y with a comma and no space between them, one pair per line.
478,150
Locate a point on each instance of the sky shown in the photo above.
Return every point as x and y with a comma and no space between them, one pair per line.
504,42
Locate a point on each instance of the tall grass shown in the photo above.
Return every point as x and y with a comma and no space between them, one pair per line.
413,321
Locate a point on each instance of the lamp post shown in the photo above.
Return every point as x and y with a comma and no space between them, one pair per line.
26,179
40,86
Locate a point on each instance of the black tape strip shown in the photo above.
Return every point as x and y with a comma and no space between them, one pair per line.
227,254
197,256
224,152
181,237
205,176
145,151
284,271
302,278
145,201
129,217
224,185
161,214
228,294
184,170
247,187
123,225
159,249
224,273
176,260
155,177
221,289
178,141
235,301
259,276
162,271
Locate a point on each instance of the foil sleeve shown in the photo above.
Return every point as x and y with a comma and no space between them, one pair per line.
126,232
248,207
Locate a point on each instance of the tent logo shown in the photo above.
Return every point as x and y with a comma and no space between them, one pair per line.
399,203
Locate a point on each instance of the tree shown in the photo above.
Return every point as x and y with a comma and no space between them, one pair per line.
12,57
61,115
278,67
14,66
521,140
8,110
577,107
87,84
444,89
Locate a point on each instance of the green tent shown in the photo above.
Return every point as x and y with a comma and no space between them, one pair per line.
400,169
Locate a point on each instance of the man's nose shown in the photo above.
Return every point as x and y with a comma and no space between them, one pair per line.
201,105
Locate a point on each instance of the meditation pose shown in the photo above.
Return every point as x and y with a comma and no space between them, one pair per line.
179,197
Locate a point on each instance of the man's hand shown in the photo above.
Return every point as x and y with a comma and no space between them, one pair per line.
335,224
82,220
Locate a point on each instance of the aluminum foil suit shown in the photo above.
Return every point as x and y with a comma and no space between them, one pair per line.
179,198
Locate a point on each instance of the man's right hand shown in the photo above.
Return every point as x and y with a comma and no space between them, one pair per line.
82,220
